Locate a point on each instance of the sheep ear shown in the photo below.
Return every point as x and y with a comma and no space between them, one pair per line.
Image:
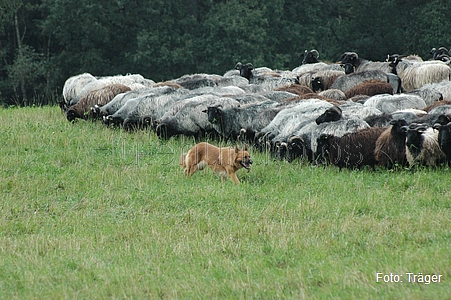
250,66
238,65
205,111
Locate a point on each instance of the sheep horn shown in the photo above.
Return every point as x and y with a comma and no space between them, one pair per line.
340,59
443,50
315,53
437,126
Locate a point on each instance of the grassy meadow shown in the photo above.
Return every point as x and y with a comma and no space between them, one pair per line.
92,212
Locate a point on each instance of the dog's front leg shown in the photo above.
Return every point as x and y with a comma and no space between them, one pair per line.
234,178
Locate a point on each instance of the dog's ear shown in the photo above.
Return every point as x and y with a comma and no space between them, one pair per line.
236,149
245,147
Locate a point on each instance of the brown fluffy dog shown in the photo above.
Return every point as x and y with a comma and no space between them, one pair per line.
223,161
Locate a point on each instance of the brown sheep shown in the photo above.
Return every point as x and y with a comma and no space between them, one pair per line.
370,88
296,89
352,150
390,147
98,97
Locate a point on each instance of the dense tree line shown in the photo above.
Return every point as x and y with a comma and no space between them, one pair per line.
43,42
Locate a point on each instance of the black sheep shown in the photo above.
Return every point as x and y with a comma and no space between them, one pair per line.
245,70
443,126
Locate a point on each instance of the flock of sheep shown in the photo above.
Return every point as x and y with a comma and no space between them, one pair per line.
351,113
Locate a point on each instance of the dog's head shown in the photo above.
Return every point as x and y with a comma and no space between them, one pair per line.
243,159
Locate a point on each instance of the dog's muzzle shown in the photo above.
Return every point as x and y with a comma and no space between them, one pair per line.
247,165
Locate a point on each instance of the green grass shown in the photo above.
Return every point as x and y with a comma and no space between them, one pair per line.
93,212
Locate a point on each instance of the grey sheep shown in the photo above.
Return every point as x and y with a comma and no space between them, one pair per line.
191,120
391,103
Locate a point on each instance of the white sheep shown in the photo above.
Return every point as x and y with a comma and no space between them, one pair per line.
414,75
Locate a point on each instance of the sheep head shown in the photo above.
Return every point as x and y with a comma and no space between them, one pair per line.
317,84
414,137
214,113
330,115
310,57
245,70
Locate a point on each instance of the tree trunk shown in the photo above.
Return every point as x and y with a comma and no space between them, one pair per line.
19,46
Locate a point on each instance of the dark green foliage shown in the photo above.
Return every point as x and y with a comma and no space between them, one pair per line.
43,42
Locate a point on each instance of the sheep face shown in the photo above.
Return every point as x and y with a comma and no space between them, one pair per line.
348,67
245,70
296,147
323,148
214,113
164,130
349,57
310,57
317,84
442,120
72,114
399,127
414,139
444,138
330,115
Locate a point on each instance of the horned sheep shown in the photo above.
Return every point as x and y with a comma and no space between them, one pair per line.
443,126
414,75
308,129
422,147
310,57
390,147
